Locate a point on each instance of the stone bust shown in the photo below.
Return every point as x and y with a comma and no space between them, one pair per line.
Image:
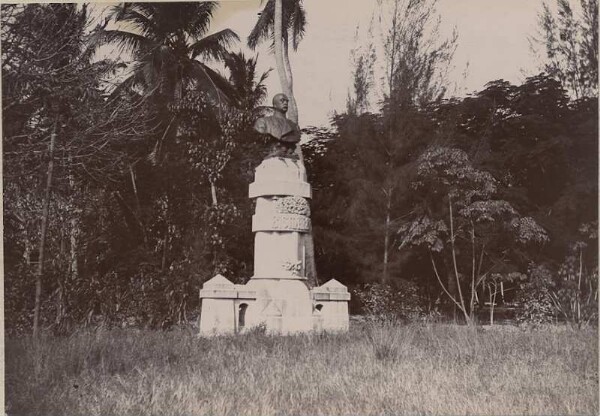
279,127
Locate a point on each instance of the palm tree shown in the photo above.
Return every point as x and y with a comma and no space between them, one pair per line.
282,21
169,42
249,91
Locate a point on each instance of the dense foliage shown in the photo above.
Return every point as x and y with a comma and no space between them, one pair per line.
120,202
492,187
146,183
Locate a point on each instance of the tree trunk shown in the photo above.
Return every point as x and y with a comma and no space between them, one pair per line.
138,206
292,113
386,236
213,193
278,45
42,245
451,282
284,71
74,267
163,263
60,298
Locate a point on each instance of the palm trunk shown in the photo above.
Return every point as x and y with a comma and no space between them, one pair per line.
278,44
284,71
44,230
289,88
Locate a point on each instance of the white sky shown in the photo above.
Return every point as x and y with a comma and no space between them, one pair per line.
493,39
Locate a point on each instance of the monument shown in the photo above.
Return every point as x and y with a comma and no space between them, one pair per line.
277,297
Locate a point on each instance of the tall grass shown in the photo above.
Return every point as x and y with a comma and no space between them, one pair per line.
373,370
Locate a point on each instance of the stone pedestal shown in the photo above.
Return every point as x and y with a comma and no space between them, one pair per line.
277,296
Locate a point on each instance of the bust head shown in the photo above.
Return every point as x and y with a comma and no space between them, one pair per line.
280,103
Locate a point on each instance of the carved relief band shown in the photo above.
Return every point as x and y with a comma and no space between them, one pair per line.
281,222
292,205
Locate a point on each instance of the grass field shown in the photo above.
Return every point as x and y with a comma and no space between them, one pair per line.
373,370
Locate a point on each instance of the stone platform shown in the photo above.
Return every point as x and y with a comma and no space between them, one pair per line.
277,296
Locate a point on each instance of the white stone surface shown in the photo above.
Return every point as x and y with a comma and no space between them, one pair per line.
280,176
276,187
283,169
335,316
285,306
277,296
217,317
278,255
331,306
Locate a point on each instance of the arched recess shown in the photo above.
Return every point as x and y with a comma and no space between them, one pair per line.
242,315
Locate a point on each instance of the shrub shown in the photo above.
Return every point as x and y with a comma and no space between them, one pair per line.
575,293
534,299
388,303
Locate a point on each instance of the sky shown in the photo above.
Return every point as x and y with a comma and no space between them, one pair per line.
493,42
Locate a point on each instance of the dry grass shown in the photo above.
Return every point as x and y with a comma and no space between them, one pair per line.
445,370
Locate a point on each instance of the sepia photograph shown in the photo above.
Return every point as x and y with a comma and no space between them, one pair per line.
300,207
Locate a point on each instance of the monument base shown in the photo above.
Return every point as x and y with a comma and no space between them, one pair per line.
277,298
280,306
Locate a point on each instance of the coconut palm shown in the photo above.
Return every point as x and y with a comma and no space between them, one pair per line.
282,21
170,45
249,91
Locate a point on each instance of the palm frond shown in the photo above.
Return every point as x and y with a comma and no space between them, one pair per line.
200,20
294,23
147,9
213,83
129,84
297,23
214,46
140,21
125,41
264,26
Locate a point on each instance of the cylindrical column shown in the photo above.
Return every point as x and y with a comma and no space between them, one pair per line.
282,214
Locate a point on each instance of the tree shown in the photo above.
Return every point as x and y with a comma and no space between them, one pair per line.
574,294
460,218
167,40
249,91
282,21
571,45
59,56
363,60
531,140
48,78
415,60
372,155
